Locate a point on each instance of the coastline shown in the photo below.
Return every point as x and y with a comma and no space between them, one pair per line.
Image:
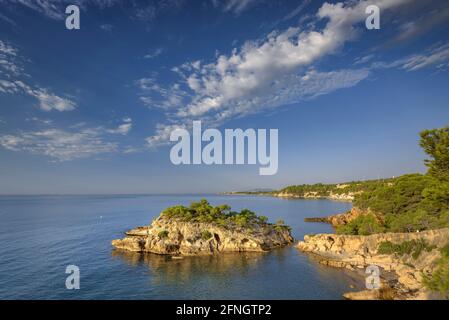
282,195
401,277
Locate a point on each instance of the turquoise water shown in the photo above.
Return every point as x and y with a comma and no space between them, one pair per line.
41,235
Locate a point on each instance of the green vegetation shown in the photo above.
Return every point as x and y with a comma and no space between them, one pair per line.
163,234
221,215
280,224
362,225
409,203
412,202
439,280
324,190
436,144
412,247
206,235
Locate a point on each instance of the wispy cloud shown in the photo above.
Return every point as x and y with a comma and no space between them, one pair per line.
12,82
437,56
422,17
60,145
364,59
41,121
154,54
47,101
155,95
123,128
432,57
235,6
9,64
272,72
76,142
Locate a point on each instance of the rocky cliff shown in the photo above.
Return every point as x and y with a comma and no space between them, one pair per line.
339,219
176,237
361,251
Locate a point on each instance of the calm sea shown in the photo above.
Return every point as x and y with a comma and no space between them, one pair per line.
41,235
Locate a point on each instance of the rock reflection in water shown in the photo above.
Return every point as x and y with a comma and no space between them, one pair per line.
355,278
169,269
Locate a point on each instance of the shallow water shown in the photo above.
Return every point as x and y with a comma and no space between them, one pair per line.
41,235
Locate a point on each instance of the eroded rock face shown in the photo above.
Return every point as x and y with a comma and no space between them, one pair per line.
174,237
341,218
360,251
345,218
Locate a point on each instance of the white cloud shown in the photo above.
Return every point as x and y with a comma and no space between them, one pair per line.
9,65
154,54
155,95
273,72
236,6
47,101
12,83
434,56
7,49
59,144
162,134
39,120
78,141
253,69
124,128
364,59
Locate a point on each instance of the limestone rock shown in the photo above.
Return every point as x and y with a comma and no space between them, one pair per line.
176,237
345,251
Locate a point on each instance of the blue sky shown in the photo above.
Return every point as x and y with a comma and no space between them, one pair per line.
90,110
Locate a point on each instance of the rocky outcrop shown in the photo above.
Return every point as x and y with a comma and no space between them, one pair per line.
348,251
344,218
176,237
339,219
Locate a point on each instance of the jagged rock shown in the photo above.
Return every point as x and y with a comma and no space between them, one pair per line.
345,251
176,237
339,219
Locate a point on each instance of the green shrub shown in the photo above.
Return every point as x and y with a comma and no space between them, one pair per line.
221,215
362,225
439,280
445,251
411,247
206,235
280,222
163,234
